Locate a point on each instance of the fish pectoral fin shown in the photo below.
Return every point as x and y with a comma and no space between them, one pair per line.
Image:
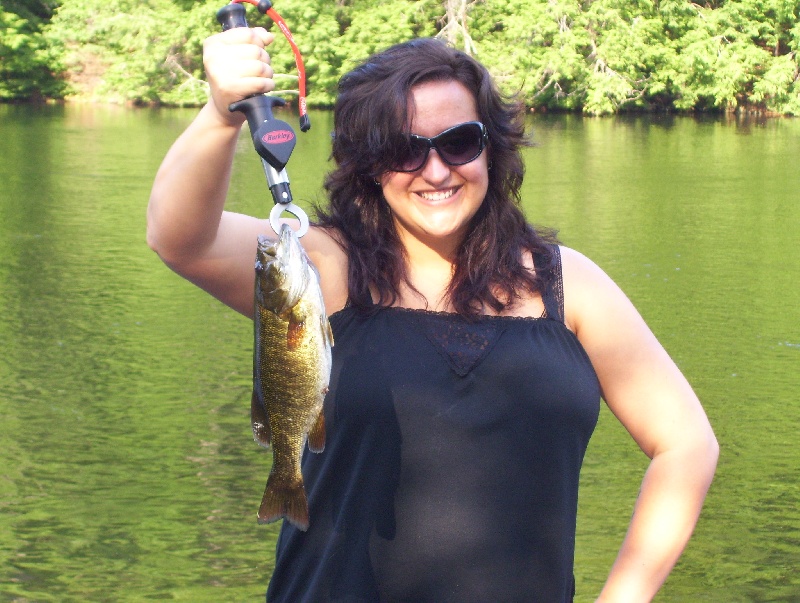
259,420
294,333
316,437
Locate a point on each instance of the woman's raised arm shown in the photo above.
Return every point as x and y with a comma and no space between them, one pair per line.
186,224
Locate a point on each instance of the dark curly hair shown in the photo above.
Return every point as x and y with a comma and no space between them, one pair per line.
371,123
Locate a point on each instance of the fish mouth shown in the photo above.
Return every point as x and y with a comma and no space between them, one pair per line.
288,242
281,270
285,248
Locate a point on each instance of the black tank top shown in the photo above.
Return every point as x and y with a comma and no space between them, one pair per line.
451,467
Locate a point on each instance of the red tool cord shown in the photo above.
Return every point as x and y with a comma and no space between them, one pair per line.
298,59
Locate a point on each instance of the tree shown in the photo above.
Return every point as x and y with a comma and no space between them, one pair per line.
28,68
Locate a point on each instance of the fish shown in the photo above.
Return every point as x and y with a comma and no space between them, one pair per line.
291,371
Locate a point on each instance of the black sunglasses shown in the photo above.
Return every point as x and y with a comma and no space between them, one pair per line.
456,146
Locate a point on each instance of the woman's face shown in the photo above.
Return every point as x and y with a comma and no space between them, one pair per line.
434,204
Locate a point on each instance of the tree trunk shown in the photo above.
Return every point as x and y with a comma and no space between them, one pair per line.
454,30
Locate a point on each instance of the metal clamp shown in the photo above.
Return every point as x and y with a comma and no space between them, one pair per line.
291,208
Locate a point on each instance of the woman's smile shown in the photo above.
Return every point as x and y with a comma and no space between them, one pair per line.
437,196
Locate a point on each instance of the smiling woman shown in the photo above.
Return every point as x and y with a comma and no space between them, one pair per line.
387,111
434,204
470,351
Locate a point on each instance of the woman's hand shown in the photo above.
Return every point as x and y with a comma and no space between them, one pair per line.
237,66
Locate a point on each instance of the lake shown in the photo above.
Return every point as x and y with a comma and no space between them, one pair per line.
127,467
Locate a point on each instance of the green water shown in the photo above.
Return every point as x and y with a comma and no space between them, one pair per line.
127,468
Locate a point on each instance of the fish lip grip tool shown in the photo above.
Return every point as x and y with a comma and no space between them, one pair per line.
273,139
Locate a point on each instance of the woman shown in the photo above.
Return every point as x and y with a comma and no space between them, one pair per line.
471,352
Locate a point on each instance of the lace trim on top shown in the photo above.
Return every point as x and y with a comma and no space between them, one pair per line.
463,342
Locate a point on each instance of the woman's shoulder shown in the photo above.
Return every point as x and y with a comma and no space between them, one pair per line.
326,252
572,259
589,293
323,241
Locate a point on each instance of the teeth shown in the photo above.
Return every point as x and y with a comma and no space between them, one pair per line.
438,195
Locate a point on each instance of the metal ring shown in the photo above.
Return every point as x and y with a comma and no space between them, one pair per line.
297,212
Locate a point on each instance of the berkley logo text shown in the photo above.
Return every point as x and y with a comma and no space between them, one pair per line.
278,136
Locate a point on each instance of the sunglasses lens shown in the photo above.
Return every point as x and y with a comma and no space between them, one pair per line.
414,156
461,144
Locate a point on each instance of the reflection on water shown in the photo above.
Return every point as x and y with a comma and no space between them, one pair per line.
127,468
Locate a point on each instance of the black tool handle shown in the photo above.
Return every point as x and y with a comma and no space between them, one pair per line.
273,139
231,15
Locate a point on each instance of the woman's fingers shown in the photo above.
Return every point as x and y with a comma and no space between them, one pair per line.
237,66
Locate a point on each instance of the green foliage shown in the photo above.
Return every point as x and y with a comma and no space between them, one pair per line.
736,57
29,9
596,56
134,51
599,57
611,55
333,38
28,67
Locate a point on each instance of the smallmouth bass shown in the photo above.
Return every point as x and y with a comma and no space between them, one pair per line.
291,371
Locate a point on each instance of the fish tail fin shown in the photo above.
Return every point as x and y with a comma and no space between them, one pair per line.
259,420
316,437
284,498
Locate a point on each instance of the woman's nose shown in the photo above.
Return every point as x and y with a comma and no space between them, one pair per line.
435,170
